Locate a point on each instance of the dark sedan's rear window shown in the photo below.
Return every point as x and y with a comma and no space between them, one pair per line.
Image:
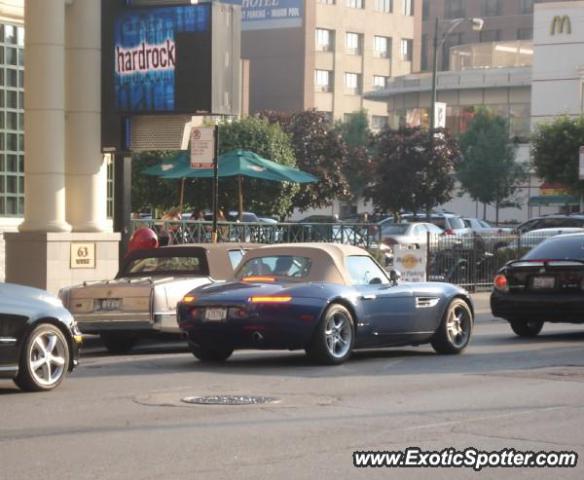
557,248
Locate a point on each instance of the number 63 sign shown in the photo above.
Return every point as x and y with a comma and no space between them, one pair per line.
82,255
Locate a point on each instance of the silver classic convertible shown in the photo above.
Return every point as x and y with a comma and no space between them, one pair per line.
142,299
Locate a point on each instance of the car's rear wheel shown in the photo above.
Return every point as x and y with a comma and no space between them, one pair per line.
118,343
44,360
526,328
211,354
334,337
455,330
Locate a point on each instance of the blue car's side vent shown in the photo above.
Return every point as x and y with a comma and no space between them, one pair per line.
426,302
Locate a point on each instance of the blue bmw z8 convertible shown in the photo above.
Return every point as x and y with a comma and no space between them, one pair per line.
327,299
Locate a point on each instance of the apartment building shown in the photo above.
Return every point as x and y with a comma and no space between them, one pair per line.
505,20
341,49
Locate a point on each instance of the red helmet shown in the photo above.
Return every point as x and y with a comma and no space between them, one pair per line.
142,239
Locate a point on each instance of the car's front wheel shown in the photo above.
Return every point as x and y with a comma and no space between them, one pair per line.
44,361
118,343
333,339
211,354
526,328
455,329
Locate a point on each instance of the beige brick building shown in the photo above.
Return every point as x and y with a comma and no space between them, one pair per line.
342,49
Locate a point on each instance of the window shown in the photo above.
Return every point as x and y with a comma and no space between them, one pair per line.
324,40
352,83
378,122
322,81
489,36
327,2
379,82
454,9
524,33
451,40
381,46
235,257
354,3
425,51
406,49
328,116
527,6
11,120
291,267
353,43
385,6
491,8
408,8
364,271
426,10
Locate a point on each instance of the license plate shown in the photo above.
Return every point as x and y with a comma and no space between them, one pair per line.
542,283
215,314
108,304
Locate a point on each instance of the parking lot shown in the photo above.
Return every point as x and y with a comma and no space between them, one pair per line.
122,417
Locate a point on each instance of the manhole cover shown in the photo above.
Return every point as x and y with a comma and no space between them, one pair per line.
229,400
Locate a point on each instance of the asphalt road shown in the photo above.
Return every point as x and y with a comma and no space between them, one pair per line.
122,417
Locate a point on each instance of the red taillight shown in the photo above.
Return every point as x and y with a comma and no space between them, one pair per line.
259,279
448,231
501,283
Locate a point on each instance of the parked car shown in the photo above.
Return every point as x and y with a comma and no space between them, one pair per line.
142,299
534,237
410,234
327,299
551,221
492,237
545,285
39,339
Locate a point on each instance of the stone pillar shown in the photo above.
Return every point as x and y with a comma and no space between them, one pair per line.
86,170
44,105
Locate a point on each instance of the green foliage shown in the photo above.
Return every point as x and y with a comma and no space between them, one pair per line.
152,192
320,150
488,171
358,169
407,174
555,149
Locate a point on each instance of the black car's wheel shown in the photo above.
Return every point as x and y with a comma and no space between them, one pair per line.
526,328
44,360
333,339
211,354
118,343
455,329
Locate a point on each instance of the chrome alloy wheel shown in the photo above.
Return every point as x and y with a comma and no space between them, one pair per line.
47,358
338,334
458,326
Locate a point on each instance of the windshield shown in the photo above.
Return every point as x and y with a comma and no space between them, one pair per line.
395,229
557,248
192,265
286,266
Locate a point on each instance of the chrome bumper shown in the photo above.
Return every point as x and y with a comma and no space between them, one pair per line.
122,321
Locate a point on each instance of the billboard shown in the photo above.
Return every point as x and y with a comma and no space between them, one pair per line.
267,14
148,46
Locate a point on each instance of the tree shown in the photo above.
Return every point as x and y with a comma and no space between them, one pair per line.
488,171
407,174
358,168
555,149
152,192
320,150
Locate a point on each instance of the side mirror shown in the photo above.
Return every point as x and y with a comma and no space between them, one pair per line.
375,281
395,276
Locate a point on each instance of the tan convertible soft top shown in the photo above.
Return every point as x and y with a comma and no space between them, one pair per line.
328,259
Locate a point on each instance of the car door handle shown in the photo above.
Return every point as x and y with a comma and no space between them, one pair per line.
369,297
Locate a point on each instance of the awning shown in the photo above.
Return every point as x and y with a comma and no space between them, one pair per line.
547,200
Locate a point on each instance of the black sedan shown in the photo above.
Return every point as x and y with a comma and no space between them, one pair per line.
39,339
545,285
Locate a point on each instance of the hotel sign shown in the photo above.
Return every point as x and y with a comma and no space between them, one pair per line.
561,24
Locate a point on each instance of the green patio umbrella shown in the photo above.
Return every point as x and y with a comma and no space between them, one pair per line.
237,163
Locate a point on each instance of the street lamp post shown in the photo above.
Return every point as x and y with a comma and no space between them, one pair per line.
477,26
